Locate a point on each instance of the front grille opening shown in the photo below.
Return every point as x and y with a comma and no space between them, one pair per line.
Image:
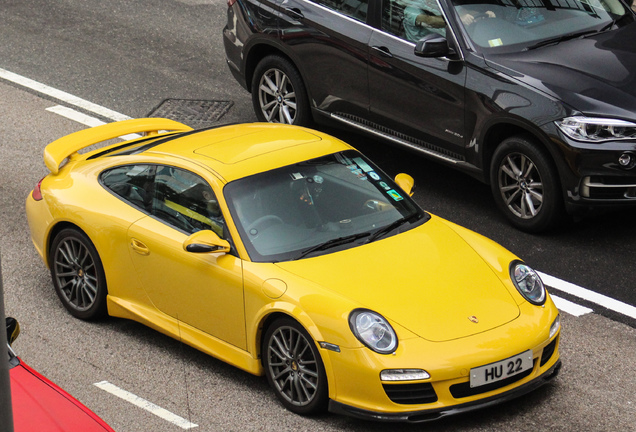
548,351
410,394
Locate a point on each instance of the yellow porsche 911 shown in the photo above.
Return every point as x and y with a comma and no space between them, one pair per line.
285,252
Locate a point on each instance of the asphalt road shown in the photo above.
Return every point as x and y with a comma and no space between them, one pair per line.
130,57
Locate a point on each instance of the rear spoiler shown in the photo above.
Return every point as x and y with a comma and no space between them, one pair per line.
69,145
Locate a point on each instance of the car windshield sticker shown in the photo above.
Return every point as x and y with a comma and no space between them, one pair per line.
318,179
495,42
362,164
384,186
396,196
373,175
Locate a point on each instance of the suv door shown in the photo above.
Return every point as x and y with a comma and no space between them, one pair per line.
422,98
329,41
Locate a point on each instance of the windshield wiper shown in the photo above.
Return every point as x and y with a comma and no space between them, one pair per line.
387,229
332,243
562,38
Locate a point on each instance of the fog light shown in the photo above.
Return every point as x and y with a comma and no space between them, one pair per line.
403,375
627,160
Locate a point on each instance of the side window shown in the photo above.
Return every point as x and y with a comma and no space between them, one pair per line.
412,19
133,183
356,9
186,201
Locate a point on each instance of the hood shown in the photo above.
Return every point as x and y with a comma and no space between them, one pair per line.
428,280
595,75
39,405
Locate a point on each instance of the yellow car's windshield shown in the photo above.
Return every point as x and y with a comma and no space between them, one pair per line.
318,206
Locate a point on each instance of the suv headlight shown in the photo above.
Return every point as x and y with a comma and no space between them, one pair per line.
528,283
373,331
591,129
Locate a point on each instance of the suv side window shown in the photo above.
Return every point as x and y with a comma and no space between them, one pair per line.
356,9
186,201
133,183
412,19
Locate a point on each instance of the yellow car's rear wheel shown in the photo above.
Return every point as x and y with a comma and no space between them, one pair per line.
78,275
294,368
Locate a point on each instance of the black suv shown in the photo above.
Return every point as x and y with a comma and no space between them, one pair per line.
535,97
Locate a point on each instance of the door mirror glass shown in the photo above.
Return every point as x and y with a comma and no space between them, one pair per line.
13,329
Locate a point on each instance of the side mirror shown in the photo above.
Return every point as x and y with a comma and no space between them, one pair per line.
13,329
205,241
406,182
433,45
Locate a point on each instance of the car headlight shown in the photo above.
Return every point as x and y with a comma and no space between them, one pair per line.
373,331
590,129
528,283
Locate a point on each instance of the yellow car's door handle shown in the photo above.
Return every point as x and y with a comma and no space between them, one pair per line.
139,247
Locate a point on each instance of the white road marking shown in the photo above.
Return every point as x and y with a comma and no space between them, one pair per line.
62,96
570,307
589,295
84,119
144,404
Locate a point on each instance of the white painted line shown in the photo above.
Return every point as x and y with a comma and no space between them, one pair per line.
84,119
77,116
572,308
62,96
589,295
148,406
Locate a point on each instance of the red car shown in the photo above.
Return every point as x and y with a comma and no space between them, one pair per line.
40,405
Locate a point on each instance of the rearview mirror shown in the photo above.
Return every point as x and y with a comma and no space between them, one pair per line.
406,182
13,329
205,241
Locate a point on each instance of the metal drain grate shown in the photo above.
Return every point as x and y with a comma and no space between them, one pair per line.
194,113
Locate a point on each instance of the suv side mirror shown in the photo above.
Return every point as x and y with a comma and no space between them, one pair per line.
406,183
205,241
13,329
433,45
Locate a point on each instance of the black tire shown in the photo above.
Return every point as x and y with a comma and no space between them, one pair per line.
279,94
526,185
294,368
78,275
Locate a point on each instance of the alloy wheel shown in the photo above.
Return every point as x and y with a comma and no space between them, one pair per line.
277,97
76,274
520,185
292,366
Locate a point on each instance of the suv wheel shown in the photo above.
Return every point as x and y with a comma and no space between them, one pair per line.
278,93
525,185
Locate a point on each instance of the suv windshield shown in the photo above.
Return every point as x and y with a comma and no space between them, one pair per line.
317,207
515,25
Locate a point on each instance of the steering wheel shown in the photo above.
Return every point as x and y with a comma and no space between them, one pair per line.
376,205
262,223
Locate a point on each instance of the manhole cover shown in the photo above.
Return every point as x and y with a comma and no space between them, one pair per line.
194,113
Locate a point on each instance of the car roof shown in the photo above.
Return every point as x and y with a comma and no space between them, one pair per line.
241,150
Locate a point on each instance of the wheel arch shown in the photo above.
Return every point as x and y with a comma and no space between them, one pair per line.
258,52
54,231
496,133
307,323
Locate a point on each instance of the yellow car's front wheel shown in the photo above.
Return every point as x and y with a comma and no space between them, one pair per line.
294,368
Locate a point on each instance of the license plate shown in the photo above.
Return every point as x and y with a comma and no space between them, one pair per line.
501,370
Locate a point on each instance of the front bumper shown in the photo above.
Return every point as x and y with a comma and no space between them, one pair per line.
436,414
593,175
